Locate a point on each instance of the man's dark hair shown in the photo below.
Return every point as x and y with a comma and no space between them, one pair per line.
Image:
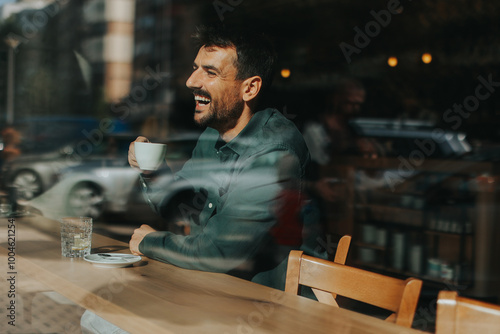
255,52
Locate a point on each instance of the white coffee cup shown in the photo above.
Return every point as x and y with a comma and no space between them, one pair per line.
149,156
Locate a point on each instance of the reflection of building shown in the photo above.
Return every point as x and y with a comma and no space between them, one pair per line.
163,47
84,57
72,55
48,79
130,45
153,54
109,44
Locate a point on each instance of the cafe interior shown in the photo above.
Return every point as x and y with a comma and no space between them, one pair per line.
397,101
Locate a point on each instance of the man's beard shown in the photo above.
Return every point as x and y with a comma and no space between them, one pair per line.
222,117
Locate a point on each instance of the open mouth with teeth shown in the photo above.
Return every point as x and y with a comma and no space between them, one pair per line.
202,100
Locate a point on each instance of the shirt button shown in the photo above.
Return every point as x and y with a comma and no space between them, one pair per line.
210,205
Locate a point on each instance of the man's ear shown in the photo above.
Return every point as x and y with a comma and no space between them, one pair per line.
251,88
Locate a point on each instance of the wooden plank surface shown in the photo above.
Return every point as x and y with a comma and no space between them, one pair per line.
155,297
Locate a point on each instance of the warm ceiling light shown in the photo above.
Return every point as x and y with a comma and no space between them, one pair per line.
392,61
285,73
426,58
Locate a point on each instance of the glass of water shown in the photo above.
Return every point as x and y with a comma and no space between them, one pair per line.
76,236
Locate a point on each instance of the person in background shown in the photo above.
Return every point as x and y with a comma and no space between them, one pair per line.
330,135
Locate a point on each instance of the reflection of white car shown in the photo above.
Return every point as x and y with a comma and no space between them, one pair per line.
91,189
100,186
88,190
33,173
105,185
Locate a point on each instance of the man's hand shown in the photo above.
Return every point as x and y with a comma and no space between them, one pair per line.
137,237
131,154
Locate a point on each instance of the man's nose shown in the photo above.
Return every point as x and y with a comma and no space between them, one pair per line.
193,81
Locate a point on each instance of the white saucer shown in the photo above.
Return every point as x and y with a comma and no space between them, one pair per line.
112,260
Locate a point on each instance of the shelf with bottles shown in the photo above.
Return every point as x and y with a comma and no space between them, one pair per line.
400,253
445,208
450,275
434,256
450,255
450,219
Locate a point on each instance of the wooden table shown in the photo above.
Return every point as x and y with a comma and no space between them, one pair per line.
155,297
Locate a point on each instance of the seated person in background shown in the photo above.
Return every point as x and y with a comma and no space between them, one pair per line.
235,166
330,135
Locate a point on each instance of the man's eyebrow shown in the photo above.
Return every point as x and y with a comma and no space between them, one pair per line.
211,67
207,67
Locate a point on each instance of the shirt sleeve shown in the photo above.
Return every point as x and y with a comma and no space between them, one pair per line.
240,222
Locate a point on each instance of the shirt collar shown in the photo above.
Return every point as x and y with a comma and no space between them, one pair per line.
247,136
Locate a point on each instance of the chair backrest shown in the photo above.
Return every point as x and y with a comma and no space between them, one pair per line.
342,249
461,315
389,293
340,257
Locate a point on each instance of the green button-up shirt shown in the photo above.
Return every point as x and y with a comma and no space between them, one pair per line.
238,184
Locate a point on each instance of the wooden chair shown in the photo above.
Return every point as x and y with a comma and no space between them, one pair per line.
461,315
340,257
396,295
342,249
